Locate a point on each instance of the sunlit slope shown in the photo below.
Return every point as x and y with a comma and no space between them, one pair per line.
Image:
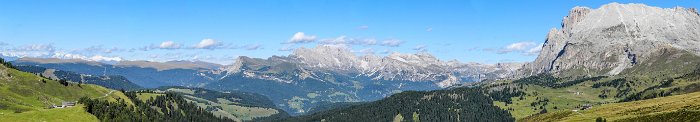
685,107
670,72
237,106
26,97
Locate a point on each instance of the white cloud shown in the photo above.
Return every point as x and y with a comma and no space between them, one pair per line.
103,58
369,41
527,48
534,50
97,49
343,40
519,45
15,53
364,27
36,47
300,37
49,51
391,43
203,44
429,29
420,48
3,44
64,55
334,41
343,46
169,45
208,44
35,50
252,47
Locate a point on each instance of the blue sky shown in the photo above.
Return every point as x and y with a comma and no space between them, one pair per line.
218,31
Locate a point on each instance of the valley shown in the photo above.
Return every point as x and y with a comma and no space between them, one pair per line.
625,62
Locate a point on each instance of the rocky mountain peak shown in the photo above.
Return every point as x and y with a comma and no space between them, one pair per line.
326,56
421,58
575,15
324,59
615,37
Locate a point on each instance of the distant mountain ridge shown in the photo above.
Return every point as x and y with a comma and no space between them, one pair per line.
589,70
144,73
171,64
396,66
112,82
310,76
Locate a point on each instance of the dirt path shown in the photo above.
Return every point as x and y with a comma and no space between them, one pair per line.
107,94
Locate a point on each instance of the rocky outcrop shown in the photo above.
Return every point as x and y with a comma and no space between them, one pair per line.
615,37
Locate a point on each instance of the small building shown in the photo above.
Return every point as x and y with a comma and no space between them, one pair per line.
63,105
68,104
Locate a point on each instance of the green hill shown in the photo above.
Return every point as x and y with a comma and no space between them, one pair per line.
685,107
72,114
112,82
671,72
26,97
170,107
239,106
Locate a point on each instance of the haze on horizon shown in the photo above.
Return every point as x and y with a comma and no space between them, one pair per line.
469,31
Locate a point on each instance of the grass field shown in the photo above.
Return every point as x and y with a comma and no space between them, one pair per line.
26,97
71,114
224,108
146,96
566,98
571,97
630,111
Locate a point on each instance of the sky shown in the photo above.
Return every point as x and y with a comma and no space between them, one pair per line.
482,31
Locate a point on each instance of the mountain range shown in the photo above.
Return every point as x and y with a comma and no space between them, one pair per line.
618,53
619,62
303,80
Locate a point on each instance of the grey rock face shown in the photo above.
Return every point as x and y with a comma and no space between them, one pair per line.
615,37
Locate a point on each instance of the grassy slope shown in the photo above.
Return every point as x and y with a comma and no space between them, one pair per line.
567,98
146,96
563,99
667,64
228,109
23,96
71,114
627,110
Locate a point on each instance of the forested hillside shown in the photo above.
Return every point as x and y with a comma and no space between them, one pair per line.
170,107
236,105
460,104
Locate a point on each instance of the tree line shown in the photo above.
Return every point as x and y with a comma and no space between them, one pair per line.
460,104
170,107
